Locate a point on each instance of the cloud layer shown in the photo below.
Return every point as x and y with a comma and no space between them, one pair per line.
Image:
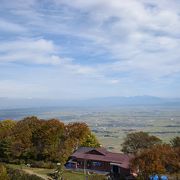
119,47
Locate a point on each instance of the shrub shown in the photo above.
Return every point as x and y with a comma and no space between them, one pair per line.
21,175
3,173
42,164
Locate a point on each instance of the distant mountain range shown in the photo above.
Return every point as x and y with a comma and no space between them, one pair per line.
6,103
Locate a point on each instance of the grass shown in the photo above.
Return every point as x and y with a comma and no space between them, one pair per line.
68,175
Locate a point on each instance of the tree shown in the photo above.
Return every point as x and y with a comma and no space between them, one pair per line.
175,142
6,127
75,134
22,134
46,139
157,159
91,141
139,140
16,137
42,140
5,148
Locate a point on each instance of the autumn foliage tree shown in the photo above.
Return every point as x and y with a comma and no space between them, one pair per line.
46,139
74,135
136,141
5,128
157,159
42,140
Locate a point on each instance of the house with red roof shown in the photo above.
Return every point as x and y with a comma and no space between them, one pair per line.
99,160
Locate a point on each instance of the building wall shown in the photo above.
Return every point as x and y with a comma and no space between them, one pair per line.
125,172
122,174
100,166
93,165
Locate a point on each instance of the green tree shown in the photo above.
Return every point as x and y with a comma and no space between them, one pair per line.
6,127
139,140
5,148
91,141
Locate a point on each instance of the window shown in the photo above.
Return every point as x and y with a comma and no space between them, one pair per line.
96,164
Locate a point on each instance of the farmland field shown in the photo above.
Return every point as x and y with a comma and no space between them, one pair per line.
111,124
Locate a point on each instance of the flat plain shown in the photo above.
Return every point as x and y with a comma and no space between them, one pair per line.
111,124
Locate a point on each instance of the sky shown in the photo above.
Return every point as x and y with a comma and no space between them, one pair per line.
64,49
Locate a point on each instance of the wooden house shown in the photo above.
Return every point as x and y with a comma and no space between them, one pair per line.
99,160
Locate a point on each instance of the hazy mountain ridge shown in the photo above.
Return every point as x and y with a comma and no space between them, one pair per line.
105,101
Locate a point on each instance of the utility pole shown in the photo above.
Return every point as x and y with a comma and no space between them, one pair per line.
85,174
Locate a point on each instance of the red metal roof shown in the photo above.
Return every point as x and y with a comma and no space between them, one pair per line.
106,156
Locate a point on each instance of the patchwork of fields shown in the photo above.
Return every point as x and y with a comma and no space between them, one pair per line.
111,124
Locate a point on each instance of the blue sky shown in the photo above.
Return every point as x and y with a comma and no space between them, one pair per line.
89,48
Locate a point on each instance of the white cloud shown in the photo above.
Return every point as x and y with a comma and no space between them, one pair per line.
38,51
7,26
142,34
43,52
138,39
